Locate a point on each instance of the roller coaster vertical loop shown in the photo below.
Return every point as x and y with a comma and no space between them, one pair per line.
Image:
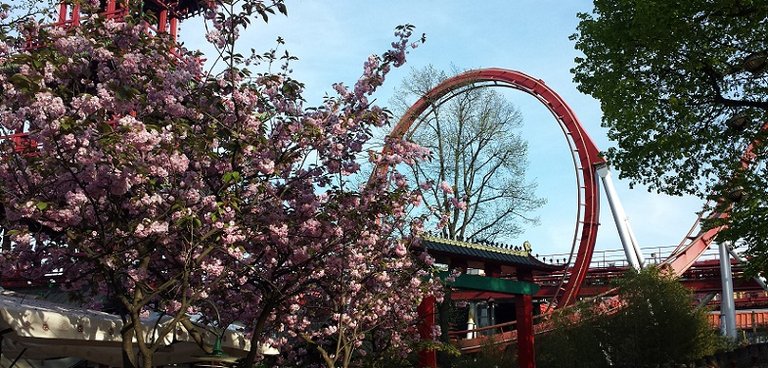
585,154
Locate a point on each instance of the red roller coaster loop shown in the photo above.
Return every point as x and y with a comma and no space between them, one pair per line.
586,159
586,156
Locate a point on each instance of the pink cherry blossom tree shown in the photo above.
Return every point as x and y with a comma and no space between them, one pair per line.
150,184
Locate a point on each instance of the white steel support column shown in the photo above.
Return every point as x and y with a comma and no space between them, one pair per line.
627,237
727,304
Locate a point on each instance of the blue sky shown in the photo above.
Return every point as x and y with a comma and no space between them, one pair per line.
333,38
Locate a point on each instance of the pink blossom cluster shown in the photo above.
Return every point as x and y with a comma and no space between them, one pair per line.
154,186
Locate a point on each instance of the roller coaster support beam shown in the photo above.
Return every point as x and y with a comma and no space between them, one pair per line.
705,300
627,237
727,305
759,278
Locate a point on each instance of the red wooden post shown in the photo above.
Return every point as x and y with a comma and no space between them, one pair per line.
174,27
76,15
62,13
162,20
526,357
426,310
111,7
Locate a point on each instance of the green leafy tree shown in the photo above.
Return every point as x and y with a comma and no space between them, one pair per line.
657,325
575,342
491,355
684,91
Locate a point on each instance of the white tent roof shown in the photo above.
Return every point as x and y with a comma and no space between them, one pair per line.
39,329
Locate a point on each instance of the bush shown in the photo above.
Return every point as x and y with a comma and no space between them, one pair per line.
657,326
490,356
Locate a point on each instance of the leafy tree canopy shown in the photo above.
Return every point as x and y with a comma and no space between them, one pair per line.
683,87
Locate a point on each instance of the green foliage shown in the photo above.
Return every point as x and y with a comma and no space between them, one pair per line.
576,342
670,76
658,325
490,356
387,361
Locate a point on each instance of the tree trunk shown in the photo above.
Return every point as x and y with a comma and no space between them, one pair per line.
258,330
127,336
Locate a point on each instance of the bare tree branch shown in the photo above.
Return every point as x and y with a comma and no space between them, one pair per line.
478,153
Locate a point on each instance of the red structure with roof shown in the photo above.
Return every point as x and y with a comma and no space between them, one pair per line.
491,273
167,12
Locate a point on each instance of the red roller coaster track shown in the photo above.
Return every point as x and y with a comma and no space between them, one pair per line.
586,159
585,154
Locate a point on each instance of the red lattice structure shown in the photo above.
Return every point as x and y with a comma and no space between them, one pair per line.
167,13
586,159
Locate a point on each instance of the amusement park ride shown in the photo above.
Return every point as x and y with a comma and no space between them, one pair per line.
589,165
563,285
